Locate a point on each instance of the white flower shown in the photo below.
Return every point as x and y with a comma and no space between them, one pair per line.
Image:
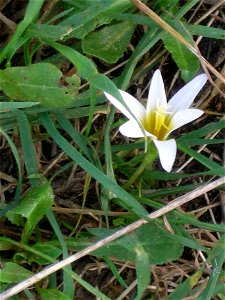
160,118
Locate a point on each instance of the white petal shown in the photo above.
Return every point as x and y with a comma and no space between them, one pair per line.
167,153
183,117
133,104
185,96
156,95
132,129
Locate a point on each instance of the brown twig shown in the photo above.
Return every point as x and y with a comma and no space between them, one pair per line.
87,211
9,23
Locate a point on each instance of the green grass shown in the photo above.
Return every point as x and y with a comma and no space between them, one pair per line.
61,145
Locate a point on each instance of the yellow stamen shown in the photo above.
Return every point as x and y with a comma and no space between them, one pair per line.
158,122
160,116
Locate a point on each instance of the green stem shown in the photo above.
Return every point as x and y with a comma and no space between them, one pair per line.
150,156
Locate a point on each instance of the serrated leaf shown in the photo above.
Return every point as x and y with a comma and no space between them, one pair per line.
32,207
13,273
52,294
36,83
160,249
110,42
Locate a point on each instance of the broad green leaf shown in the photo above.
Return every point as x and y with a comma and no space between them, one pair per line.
54,32
49,250
90,12
52,294
13,273
110,42
187,62
36,83
32,207
92,15
82,31
75,25
159,248
87,70
105,17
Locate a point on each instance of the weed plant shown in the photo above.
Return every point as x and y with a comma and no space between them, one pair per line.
82,208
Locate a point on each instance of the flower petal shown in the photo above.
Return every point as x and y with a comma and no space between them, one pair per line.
185,96
156,95
167,153
183,117
133,104
132,129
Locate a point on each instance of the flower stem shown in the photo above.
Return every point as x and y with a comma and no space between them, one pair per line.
150,156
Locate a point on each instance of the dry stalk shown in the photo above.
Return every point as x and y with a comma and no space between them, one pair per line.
9,23
162,211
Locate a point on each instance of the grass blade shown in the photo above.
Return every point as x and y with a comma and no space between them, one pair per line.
125,197
32,10
217,169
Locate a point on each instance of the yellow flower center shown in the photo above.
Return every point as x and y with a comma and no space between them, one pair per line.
160,118
158,122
